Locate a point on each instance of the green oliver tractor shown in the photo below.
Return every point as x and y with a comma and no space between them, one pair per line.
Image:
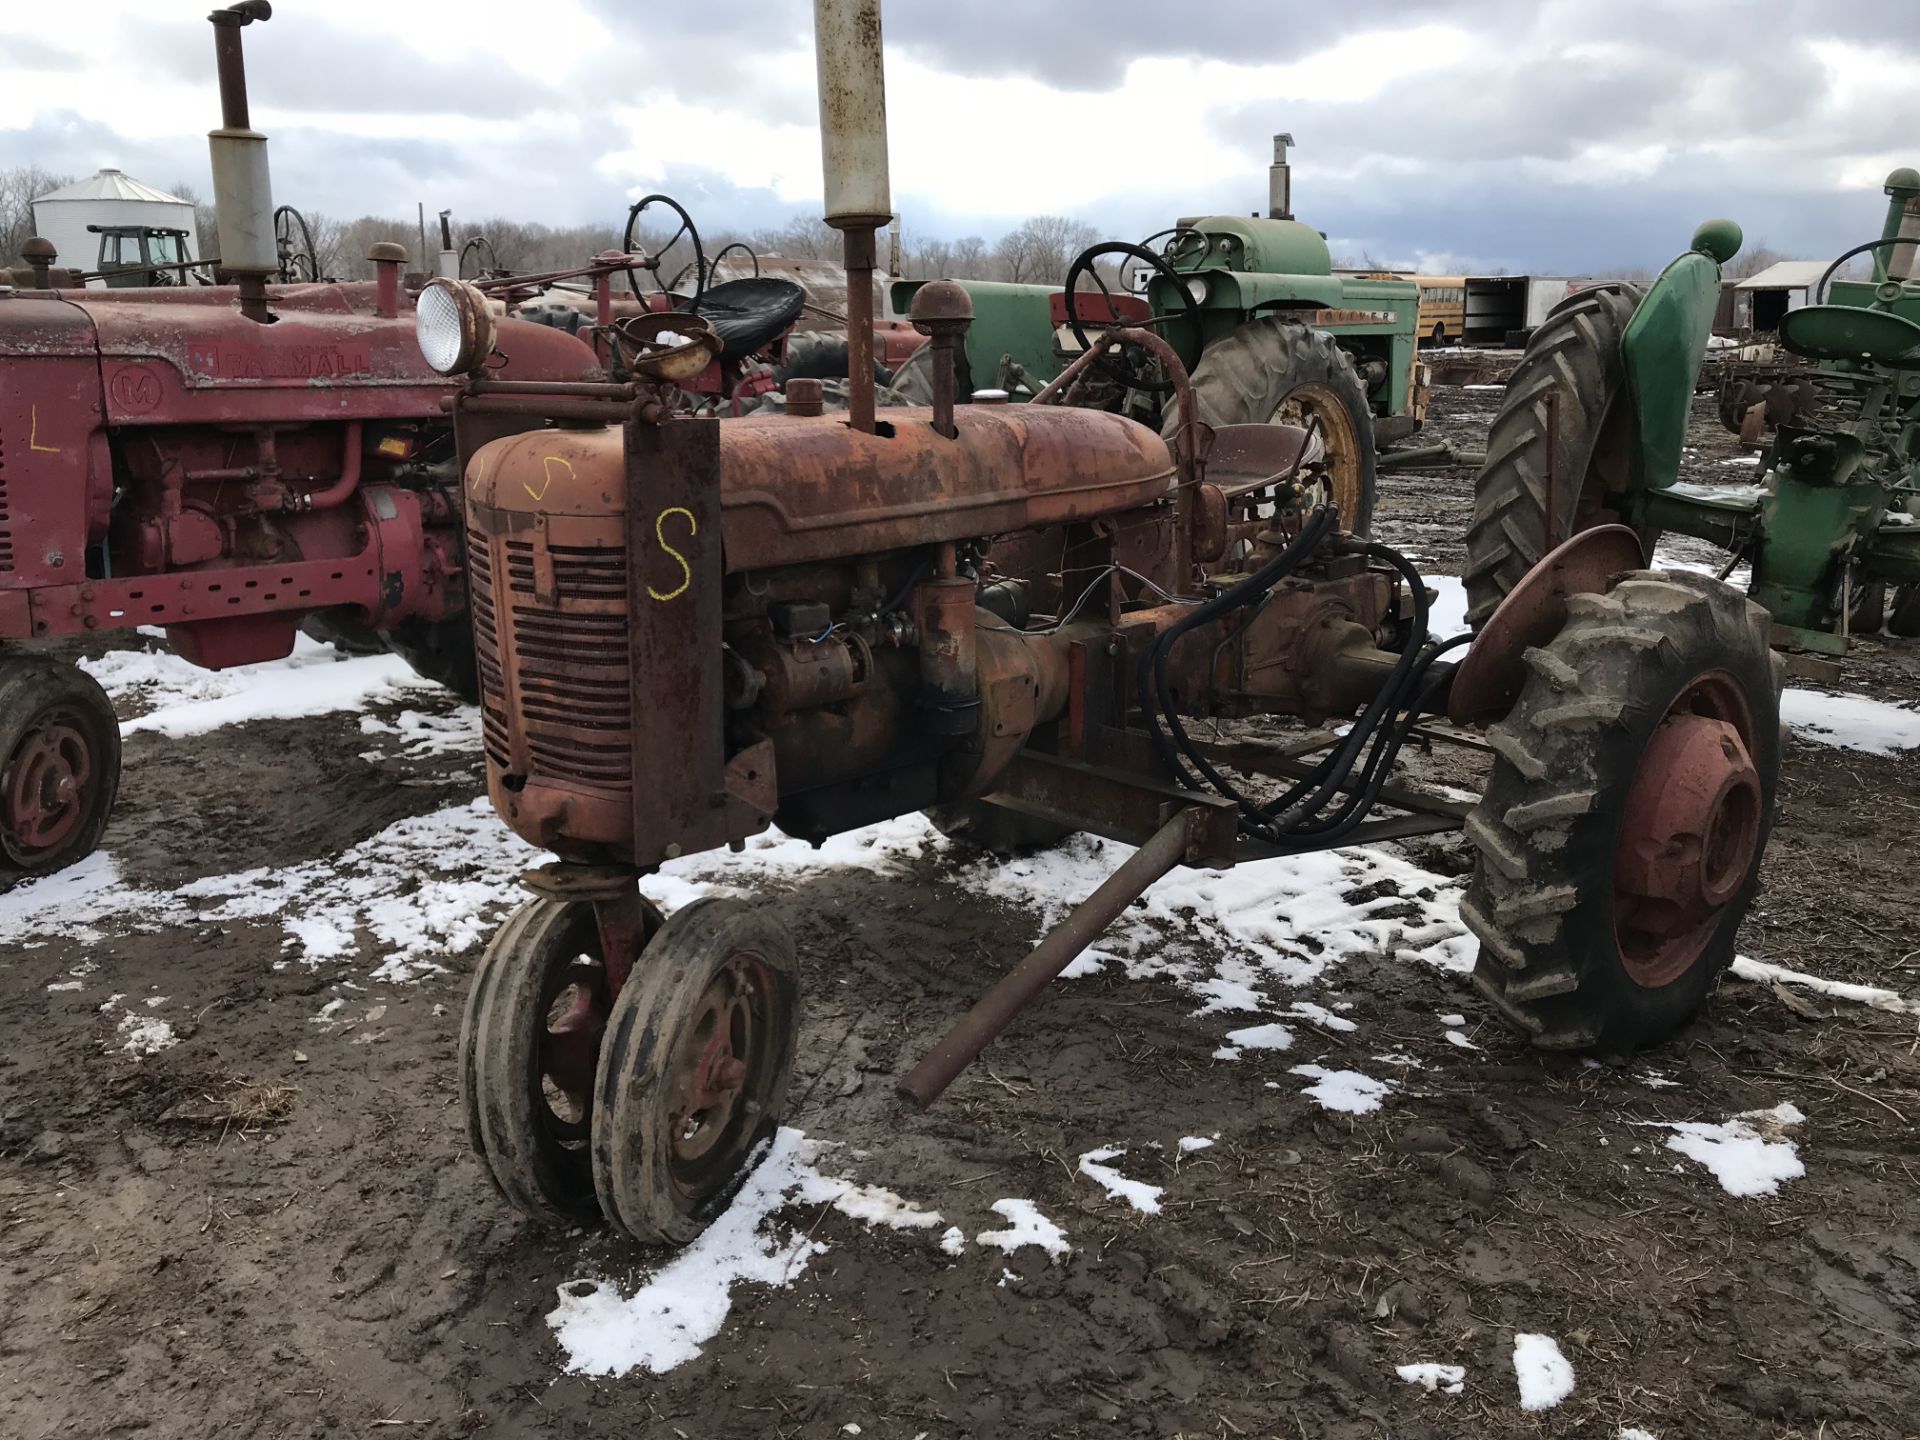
1594,423
1252,307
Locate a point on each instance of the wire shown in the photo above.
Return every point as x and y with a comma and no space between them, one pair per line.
1300,818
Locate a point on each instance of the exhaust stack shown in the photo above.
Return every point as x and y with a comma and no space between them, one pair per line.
1280,181
853,158
242,189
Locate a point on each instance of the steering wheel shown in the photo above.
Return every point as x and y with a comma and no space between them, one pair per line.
687,229
1132,367
474,247
1818,295
293,243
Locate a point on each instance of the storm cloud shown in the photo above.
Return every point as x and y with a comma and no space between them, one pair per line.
1563,136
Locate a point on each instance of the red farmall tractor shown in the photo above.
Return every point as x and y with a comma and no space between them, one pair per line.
690,630
223,462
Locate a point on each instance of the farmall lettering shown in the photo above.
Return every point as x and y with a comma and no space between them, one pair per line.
230,361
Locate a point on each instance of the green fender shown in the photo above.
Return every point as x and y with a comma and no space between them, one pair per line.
1665,342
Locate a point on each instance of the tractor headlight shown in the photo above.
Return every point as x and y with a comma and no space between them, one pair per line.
1197,288
454,326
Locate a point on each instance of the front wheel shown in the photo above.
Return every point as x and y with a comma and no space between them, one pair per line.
59,764
1620,834
693,1075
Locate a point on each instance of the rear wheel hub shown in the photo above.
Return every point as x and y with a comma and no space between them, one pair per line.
1689,834
43,797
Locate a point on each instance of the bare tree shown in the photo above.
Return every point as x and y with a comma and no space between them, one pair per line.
1038,251
801,238
1751,261
206,219
20,185
970,258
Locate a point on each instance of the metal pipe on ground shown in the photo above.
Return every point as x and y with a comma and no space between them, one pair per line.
1020,986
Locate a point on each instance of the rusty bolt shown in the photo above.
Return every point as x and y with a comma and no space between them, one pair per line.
938,305
805,397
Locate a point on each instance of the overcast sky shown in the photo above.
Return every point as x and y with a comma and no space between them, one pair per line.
1546,135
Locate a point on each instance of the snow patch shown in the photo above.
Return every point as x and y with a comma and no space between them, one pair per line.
143,1035
1450,1378
683,1304
182,699
1746,1154
1850,722
1320,1015
1260,1037
1025,1226
953,1240
1137,1193
1545,1378
1191,1143
1870,995
1347,1091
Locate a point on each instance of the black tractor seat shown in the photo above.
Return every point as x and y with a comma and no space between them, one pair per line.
747,314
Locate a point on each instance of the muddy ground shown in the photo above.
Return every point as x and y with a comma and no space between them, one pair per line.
273,1227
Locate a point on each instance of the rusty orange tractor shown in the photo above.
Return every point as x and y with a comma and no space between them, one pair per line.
691,630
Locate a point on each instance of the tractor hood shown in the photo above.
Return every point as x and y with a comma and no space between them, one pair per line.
794,491
194,360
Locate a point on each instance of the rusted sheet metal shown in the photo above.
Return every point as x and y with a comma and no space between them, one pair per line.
187,363
1489,679
687,796
54,466
1094,308
798,490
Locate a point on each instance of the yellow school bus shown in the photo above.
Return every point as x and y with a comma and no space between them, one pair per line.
1443,308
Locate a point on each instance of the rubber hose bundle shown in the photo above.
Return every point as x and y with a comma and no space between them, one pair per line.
1298,819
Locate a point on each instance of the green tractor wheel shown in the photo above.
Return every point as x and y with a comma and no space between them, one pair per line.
1565,420
1274,371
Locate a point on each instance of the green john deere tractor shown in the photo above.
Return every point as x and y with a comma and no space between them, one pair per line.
1256,313
1594,423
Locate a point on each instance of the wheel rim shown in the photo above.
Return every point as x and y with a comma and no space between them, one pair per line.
1338,436
576,1009
720,1076
45,789
1690,832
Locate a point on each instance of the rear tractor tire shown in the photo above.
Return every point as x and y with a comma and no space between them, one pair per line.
1620,834
1273,371
59,764
440,651
1570,385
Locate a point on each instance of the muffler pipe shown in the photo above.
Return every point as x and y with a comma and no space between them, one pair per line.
853,161
242,188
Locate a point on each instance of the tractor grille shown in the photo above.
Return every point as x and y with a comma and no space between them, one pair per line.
486,645
570,682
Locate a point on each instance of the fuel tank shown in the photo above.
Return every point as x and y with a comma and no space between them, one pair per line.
799,490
